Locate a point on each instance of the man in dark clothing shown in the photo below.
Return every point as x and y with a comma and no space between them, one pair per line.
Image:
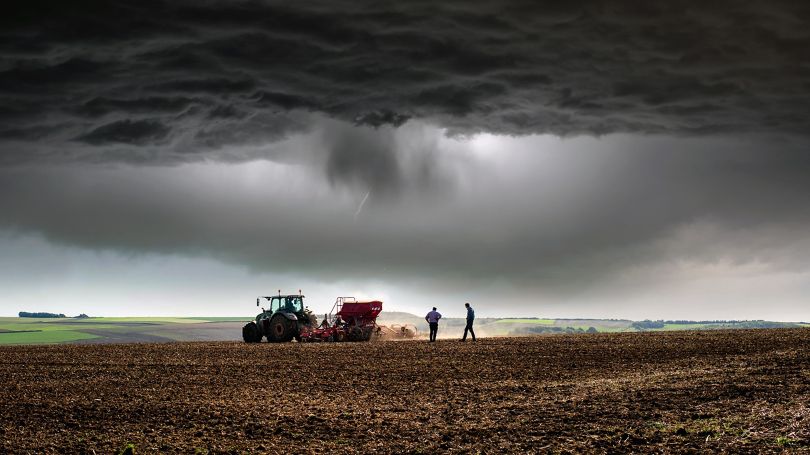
432,319
470,319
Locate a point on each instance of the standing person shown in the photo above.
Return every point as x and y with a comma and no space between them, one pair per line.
470,319
432,319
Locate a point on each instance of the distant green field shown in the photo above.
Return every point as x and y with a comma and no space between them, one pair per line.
62,330
223,318
513,326
601,326
684,327
47,336
38,331
525,321
53,326
157,320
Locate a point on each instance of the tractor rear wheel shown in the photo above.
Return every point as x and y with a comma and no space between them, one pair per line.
250,333
281,329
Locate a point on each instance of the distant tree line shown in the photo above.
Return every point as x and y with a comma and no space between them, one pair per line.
715,324
647,324
762,325
26,314
713,321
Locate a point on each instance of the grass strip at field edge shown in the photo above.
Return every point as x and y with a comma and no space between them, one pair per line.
44,337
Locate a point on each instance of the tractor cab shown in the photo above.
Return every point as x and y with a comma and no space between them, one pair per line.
285,303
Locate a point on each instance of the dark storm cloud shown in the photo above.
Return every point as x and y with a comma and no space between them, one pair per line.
215,85
511,67
101,106
381,159
367,114
564,216
139,132
363,157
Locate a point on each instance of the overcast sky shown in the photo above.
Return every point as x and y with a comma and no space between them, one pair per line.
612,159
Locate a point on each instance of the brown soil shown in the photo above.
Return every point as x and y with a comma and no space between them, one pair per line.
738,391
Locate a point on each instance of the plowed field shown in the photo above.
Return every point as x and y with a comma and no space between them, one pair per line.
744,390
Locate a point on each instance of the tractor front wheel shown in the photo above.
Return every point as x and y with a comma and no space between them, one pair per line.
250,333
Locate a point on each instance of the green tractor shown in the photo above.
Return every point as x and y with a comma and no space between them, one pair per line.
280,323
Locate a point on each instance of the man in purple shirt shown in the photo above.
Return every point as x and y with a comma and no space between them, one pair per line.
432,319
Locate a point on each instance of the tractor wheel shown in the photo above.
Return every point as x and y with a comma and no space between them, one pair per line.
281,329
250,333
340,336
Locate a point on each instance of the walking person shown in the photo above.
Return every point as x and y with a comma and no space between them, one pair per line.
432,319
470,319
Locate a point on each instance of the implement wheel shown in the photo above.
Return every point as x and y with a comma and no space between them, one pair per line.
356,334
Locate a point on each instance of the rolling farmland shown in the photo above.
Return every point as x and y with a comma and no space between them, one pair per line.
167,329
740,390
119,329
